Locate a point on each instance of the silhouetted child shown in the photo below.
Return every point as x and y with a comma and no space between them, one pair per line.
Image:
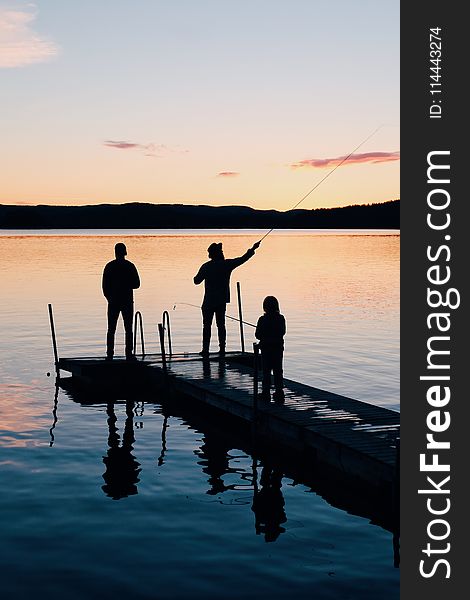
270,331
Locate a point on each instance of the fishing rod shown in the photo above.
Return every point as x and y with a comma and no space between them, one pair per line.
326,176
227,316
304,197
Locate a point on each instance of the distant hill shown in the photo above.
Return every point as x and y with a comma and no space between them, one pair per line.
137,215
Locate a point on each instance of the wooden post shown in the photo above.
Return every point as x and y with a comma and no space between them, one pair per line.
54,342
161,333
255,378
166,319
240,316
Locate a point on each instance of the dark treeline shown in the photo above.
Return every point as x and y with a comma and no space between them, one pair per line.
181,216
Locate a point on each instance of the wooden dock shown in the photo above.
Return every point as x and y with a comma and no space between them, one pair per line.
356,437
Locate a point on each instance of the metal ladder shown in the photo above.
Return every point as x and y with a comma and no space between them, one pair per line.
138,321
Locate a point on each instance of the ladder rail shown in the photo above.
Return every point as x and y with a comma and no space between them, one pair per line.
139,322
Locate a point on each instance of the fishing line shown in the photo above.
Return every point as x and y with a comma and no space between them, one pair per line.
326,176
293,208
227,316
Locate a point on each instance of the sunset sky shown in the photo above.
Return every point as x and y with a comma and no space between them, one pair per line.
199,102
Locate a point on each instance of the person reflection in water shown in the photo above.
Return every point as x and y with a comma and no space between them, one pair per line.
214,453
216,276
120,279
268,505
122,468
270,331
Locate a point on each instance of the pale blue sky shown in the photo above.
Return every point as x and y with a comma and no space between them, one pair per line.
206,86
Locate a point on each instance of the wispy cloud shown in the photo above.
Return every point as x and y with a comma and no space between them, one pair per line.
228,174
354,159
151,149
20,45
123,145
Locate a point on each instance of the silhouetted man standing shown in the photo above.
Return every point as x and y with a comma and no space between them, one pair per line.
120,279
216,276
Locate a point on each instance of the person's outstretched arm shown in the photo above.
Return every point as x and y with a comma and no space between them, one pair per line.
236,262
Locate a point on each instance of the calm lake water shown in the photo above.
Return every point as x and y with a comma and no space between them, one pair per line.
144,500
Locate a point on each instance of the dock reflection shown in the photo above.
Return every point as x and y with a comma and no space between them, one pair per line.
224,457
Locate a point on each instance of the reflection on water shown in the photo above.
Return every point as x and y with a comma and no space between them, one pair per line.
122,469
21,418
254,492
161,458
230,455
54,414
268,504
215,455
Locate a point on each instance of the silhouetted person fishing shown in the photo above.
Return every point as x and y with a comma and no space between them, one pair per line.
216,276
120,279
270,331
